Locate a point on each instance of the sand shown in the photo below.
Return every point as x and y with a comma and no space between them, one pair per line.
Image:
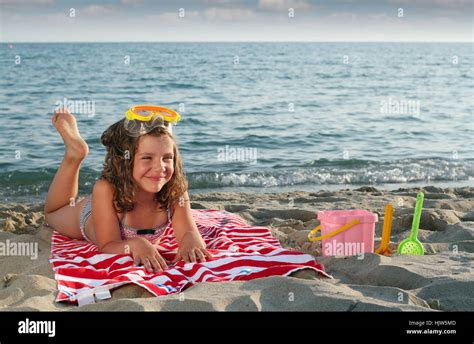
442,280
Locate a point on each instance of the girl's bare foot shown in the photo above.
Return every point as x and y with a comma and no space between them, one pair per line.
65,123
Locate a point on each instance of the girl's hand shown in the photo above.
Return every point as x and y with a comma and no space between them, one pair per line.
144,253
192,248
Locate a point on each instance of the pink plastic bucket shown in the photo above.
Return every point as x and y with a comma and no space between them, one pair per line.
356,229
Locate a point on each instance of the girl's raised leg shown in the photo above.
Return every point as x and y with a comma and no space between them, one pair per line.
60,209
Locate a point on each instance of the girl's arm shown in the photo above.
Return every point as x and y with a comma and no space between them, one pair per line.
182,220
107,231
191,245
106,226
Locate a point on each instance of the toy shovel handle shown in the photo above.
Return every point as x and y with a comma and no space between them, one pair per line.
416,217
387,226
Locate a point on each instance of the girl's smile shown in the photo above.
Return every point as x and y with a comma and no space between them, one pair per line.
154,163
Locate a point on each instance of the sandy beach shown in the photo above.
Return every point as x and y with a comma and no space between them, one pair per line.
441,280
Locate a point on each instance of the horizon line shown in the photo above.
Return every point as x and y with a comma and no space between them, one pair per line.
80,42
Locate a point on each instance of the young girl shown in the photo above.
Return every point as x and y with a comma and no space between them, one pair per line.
141,190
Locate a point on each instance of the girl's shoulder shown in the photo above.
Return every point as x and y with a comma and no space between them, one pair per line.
104,185
105,191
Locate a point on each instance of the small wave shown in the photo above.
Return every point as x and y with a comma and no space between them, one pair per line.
193,121
341,173
174,85
34,184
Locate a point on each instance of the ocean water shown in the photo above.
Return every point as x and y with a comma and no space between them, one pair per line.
256,117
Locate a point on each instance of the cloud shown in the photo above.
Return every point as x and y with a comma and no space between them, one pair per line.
282,5
27,2
341,17
95,10
221,1
210,14
59,18
228,14
453,4
172,17
132,2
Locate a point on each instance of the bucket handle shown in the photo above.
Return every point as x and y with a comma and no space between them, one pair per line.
337,231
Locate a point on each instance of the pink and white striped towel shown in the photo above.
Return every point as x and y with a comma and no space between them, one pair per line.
241,252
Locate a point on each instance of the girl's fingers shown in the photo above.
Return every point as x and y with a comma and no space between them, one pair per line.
186,257
136,261
200,256
161,261
147,265
178,257
156,265
206,252
192,256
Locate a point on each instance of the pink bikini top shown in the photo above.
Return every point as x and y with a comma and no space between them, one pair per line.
151,234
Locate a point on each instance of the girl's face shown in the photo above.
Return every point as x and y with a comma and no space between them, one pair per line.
153,163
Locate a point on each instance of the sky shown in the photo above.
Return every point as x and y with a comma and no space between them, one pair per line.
238,20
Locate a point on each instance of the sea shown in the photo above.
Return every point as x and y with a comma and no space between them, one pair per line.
256,117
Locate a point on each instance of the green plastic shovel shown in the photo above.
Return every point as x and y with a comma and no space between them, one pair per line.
412,245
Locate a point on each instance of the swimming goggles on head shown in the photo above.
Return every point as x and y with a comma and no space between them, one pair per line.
141,119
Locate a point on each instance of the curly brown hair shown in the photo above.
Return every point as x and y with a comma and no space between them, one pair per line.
118,168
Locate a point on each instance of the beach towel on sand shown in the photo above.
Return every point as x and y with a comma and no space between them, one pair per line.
241,252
